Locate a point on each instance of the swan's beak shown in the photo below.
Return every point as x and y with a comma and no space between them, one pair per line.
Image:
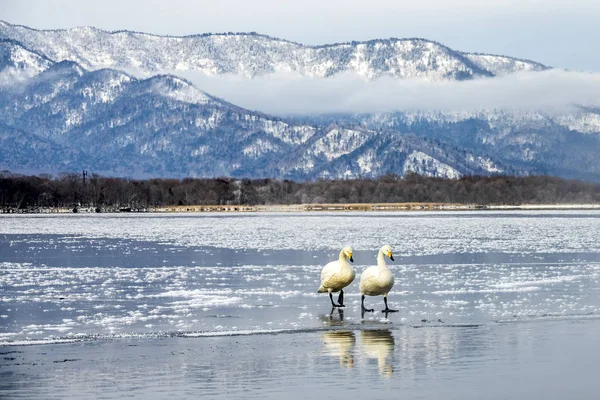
350,258
391,256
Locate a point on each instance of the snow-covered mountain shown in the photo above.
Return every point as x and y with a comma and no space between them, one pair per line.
17,62
160,125
68,118
502,65
251,54
62,109
528,142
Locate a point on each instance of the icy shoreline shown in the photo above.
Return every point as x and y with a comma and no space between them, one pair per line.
310,207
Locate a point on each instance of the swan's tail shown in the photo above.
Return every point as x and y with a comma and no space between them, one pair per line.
321,289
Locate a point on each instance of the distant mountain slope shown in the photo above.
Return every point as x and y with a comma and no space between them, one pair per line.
499,141
158,126
31,153
502,65
18,62
110,122
251,54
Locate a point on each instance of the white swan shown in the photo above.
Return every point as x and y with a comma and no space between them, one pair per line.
336,275
377,280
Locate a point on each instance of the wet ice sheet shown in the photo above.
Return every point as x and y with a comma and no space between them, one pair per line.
409,233
61,283
58,302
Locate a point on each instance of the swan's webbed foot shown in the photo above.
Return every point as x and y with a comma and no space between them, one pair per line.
387,309
362,305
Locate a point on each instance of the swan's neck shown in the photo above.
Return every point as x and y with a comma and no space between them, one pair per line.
342,257
381,260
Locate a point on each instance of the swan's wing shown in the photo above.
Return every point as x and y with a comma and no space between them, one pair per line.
328,271
368,273
368,276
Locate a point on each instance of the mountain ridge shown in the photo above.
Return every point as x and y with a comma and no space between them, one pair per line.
258,34
252,54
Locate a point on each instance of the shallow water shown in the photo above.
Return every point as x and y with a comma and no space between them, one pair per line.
549,360
222,303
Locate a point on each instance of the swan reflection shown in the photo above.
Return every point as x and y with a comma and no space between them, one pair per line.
340,344
379,345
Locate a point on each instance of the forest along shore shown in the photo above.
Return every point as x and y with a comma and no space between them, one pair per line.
69,193
304,207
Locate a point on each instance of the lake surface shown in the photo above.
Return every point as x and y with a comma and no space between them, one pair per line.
225,305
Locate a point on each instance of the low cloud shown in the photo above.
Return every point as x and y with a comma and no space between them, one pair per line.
292,94
11,76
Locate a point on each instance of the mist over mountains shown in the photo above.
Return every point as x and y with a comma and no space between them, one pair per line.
134,104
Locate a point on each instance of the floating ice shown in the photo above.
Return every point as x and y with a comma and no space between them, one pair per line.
460,268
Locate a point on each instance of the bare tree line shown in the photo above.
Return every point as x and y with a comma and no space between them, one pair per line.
105,193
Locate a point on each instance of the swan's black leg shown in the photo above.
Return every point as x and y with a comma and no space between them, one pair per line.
387,309
362,305
331,298
341,299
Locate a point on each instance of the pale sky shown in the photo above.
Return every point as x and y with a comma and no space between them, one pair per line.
557,33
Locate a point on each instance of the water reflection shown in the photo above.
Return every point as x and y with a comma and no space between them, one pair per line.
423,349
425,361
379,345
409,352
340,344
334,318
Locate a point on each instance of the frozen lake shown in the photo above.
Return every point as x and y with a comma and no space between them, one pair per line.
470,287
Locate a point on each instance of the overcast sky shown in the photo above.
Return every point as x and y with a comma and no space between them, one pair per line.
557,33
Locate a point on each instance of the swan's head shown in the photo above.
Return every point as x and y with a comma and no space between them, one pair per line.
348,253
387,250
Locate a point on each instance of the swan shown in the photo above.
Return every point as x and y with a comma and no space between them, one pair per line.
336,275
378,280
